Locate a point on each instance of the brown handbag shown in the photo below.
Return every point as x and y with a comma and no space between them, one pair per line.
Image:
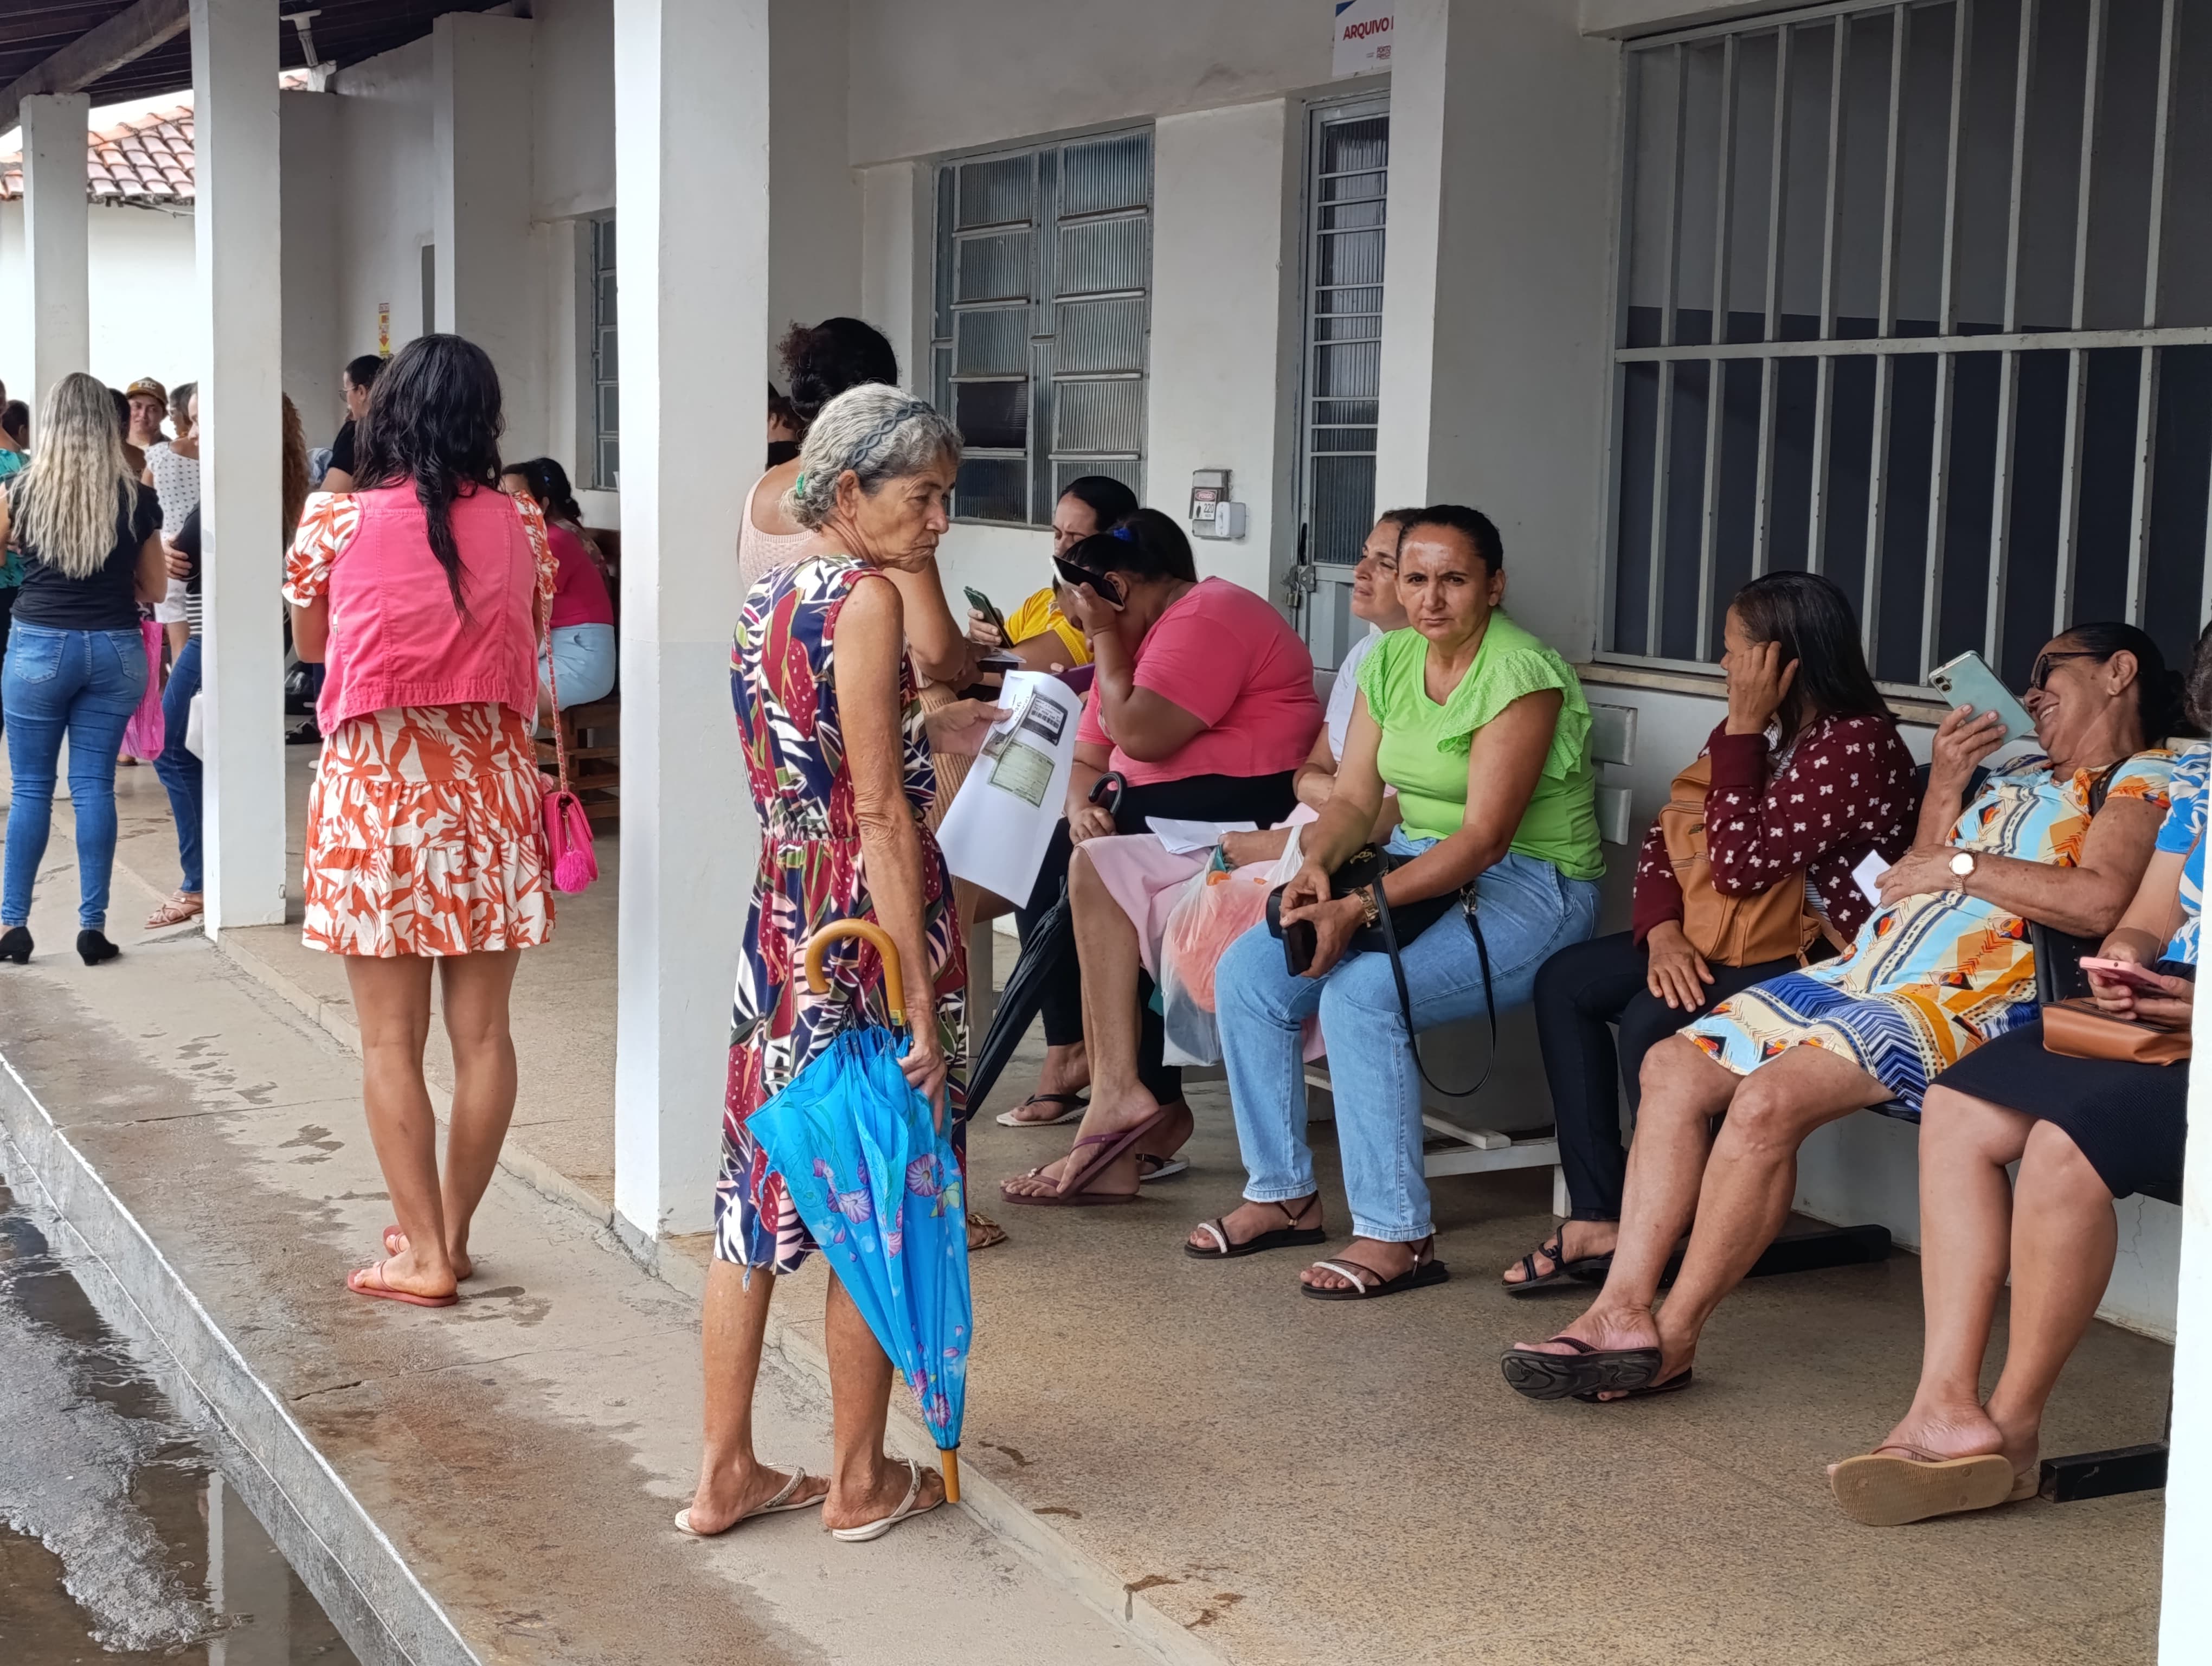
2080,1029
1777,924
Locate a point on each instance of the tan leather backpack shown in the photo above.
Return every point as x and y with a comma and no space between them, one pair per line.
1777,924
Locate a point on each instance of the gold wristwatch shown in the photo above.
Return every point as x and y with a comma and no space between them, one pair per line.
1373,914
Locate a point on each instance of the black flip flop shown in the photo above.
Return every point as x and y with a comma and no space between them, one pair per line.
1420,1276
1672,1384
1583,1269
1280,1237
1588,1371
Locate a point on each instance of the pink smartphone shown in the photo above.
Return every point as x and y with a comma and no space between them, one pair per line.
2129,972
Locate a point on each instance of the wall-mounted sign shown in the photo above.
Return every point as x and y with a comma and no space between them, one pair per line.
384,329
1362,37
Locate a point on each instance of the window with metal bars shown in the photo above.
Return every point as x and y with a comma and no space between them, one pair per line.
606,438
1347,177
1919,296
1043,319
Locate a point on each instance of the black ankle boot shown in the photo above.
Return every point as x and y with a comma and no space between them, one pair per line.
92,946
17,945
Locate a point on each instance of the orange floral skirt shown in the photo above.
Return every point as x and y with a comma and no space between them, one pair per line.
423,835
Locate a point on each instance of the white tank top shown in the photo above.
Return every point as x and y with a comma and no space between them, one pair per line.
759,553
176,483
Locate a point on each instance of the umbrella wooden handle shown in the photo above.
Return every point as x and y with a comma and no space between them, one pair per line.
894,983
948,1460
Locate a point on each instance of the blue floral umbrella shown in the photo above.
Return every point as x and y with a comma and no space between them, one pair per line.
879,1186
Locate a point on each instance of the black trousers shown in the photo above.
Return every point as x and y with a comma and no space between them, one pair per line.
1582,991
1265,800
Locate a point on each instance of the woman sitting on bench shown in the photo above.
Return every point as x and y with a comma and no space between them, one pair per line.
2060,836
2084,1132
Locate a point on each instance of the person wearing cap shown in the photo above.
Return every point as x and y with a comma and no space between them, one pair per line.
149,409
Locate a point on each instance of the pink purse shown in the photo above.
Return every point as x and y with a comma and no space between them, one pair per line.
568,856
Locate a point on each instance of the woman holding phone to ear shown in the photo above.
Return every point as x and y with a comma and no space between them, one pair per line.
1204,708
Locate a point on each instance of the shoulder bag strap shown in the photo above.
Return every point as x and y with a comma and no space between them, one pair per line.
553,689
1405,1000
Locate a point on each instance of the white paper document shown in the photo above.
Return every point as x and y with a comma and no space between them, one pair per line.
1869,874
1179,838
995,834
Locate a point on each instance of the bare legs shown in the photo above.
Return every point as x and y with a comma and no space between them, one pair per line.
1106,942
1737,1186
865,1486
391,1001
2054,1233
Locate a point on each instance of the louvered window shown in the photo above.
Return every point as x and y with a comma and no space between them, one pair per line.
606,447
1043,314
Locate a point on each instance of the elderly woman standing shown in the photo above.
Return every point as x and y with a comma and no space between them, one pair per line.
836,748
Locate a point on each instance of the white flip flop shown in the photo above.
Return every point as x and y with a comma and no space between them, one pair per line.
777,1506
1150,1168
876,1529
1075,1105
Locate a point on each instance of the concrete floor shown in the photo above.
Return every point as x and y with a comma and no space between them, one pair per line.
1292,1482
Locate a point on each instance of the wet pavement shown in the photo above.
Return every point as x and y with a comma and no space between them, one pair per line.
121,1542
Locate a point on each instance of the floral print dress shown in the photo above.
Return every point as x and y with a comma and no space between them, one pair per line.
423,833
811,873
1931,977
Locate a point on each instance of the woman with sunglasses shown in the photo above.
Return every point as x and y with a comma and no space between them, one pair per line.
2061,836
1204,707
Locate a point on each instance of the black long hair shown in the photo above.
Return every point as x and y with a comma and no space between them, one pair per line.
2158,690
549,484
433,418
1812,621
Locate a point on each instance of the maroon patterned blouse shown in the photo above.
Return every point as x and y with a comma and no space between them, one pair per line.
1845,788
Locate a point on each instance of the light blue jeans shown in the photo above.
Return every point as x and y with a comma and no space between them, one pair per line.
84,684
585,657
1529,909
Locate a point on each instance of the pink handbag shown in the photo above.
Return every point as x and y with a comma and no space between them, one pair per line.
568,856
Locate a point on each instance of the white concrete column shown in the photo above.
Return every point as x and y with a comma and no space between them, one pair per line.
241,456
1495,324
54,232
691,114
490,272
2185,1605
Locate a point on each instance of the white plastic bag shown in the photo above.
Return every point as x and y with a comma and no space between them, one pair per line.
195,735
1205,920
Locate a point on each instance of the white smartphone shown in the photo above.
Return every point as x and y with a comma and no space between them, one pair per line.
1968,681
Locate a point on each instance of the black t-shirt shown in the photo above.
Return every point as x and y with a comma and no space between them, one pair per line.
342,448
106,600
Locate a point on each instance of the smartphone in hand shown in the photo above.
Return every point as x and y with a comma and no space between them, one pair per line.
1968,681
984,605
2134,974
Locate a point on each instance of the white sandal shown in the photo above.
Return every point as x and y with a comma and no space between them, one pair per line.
775,1506
859,1535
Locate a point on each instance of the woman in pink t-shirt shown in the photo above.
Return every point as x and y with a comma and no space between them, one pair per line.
1204,705
581,633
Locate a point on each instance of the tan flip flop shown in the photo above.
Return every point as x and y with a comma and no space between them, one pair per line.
1882,1490
876,1529
786,1499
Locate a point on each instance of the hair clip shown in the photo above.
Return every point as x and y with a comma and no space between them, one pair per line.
1125,534
799,484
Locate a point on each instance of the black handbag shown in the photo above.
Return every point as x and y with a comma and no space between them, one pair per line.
1363,871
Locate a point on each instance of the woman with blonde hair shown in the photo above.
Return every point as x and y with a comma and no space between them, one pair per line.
178,766
75,663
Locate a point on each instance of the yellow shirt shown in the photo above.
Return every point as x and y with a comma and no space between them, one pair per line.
1041,613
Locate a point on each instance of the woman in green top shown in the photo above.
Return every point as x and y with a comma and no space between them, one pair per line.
1483,732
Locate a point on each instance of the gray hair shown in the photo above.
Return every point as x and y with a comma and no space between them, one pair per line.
877,432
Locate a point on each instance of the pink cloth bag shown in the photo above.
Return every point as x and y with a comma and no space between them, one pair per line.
569,858
145,735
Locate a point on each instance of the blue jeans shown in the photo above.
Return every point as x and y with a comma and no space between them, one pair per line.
84,684
1529,909
179,770
585,655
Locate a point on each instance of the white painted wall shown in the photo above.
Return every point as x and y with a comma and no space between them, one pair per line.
572,159
965,74
385,198
1633,17
1495,323
1225,333
814,195
141,281
308,135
